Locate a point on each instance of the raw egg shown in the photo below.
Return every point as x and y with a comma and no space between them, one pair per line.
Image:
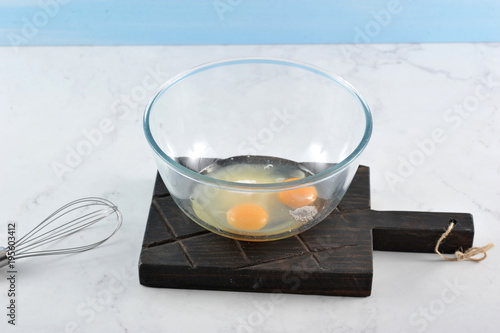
299,197
247,216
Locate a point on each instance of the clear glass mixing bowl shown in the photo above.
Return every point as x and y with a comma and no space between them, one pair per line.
257,149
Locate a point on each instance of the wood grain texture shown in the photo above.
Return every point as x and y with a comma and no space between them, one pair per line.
333,258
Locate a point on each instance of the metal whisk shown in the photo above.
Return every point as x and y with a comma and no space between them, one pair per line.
67,220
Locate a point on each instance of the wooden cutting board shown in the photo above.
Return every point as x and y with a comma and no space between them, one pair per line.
333,258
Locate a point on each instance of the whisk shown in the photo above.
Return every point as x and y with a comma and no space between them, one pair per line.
67,220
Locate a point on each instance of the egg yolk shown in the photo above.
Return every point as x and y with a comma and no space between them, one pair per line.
247,216
299,197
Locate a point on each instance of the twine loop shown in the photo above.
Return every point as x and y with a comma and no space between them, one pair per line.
469,254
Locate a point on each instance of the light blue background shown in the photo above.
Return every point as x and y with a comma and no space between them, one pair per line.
155,22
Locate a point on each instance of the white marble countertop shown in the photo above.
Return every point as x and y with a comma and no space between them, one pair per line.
52,98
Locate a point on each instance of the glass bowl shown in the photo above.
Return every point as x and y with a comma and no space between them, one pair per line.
257,149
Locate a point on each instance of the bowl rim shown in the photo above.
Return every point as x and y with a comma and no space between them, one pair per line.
224,184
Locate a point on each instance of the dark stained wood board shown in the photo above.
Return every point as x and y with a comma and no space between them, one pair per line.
333,258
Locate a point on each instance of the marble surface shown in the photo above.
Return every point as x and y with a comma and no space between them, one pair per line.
435,147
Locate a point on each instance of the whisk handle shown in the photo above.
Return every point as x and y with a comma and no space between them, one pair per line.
3,257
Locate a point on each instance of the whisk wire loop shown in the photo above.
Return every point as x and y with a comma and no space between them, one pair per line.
54,227
64,230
